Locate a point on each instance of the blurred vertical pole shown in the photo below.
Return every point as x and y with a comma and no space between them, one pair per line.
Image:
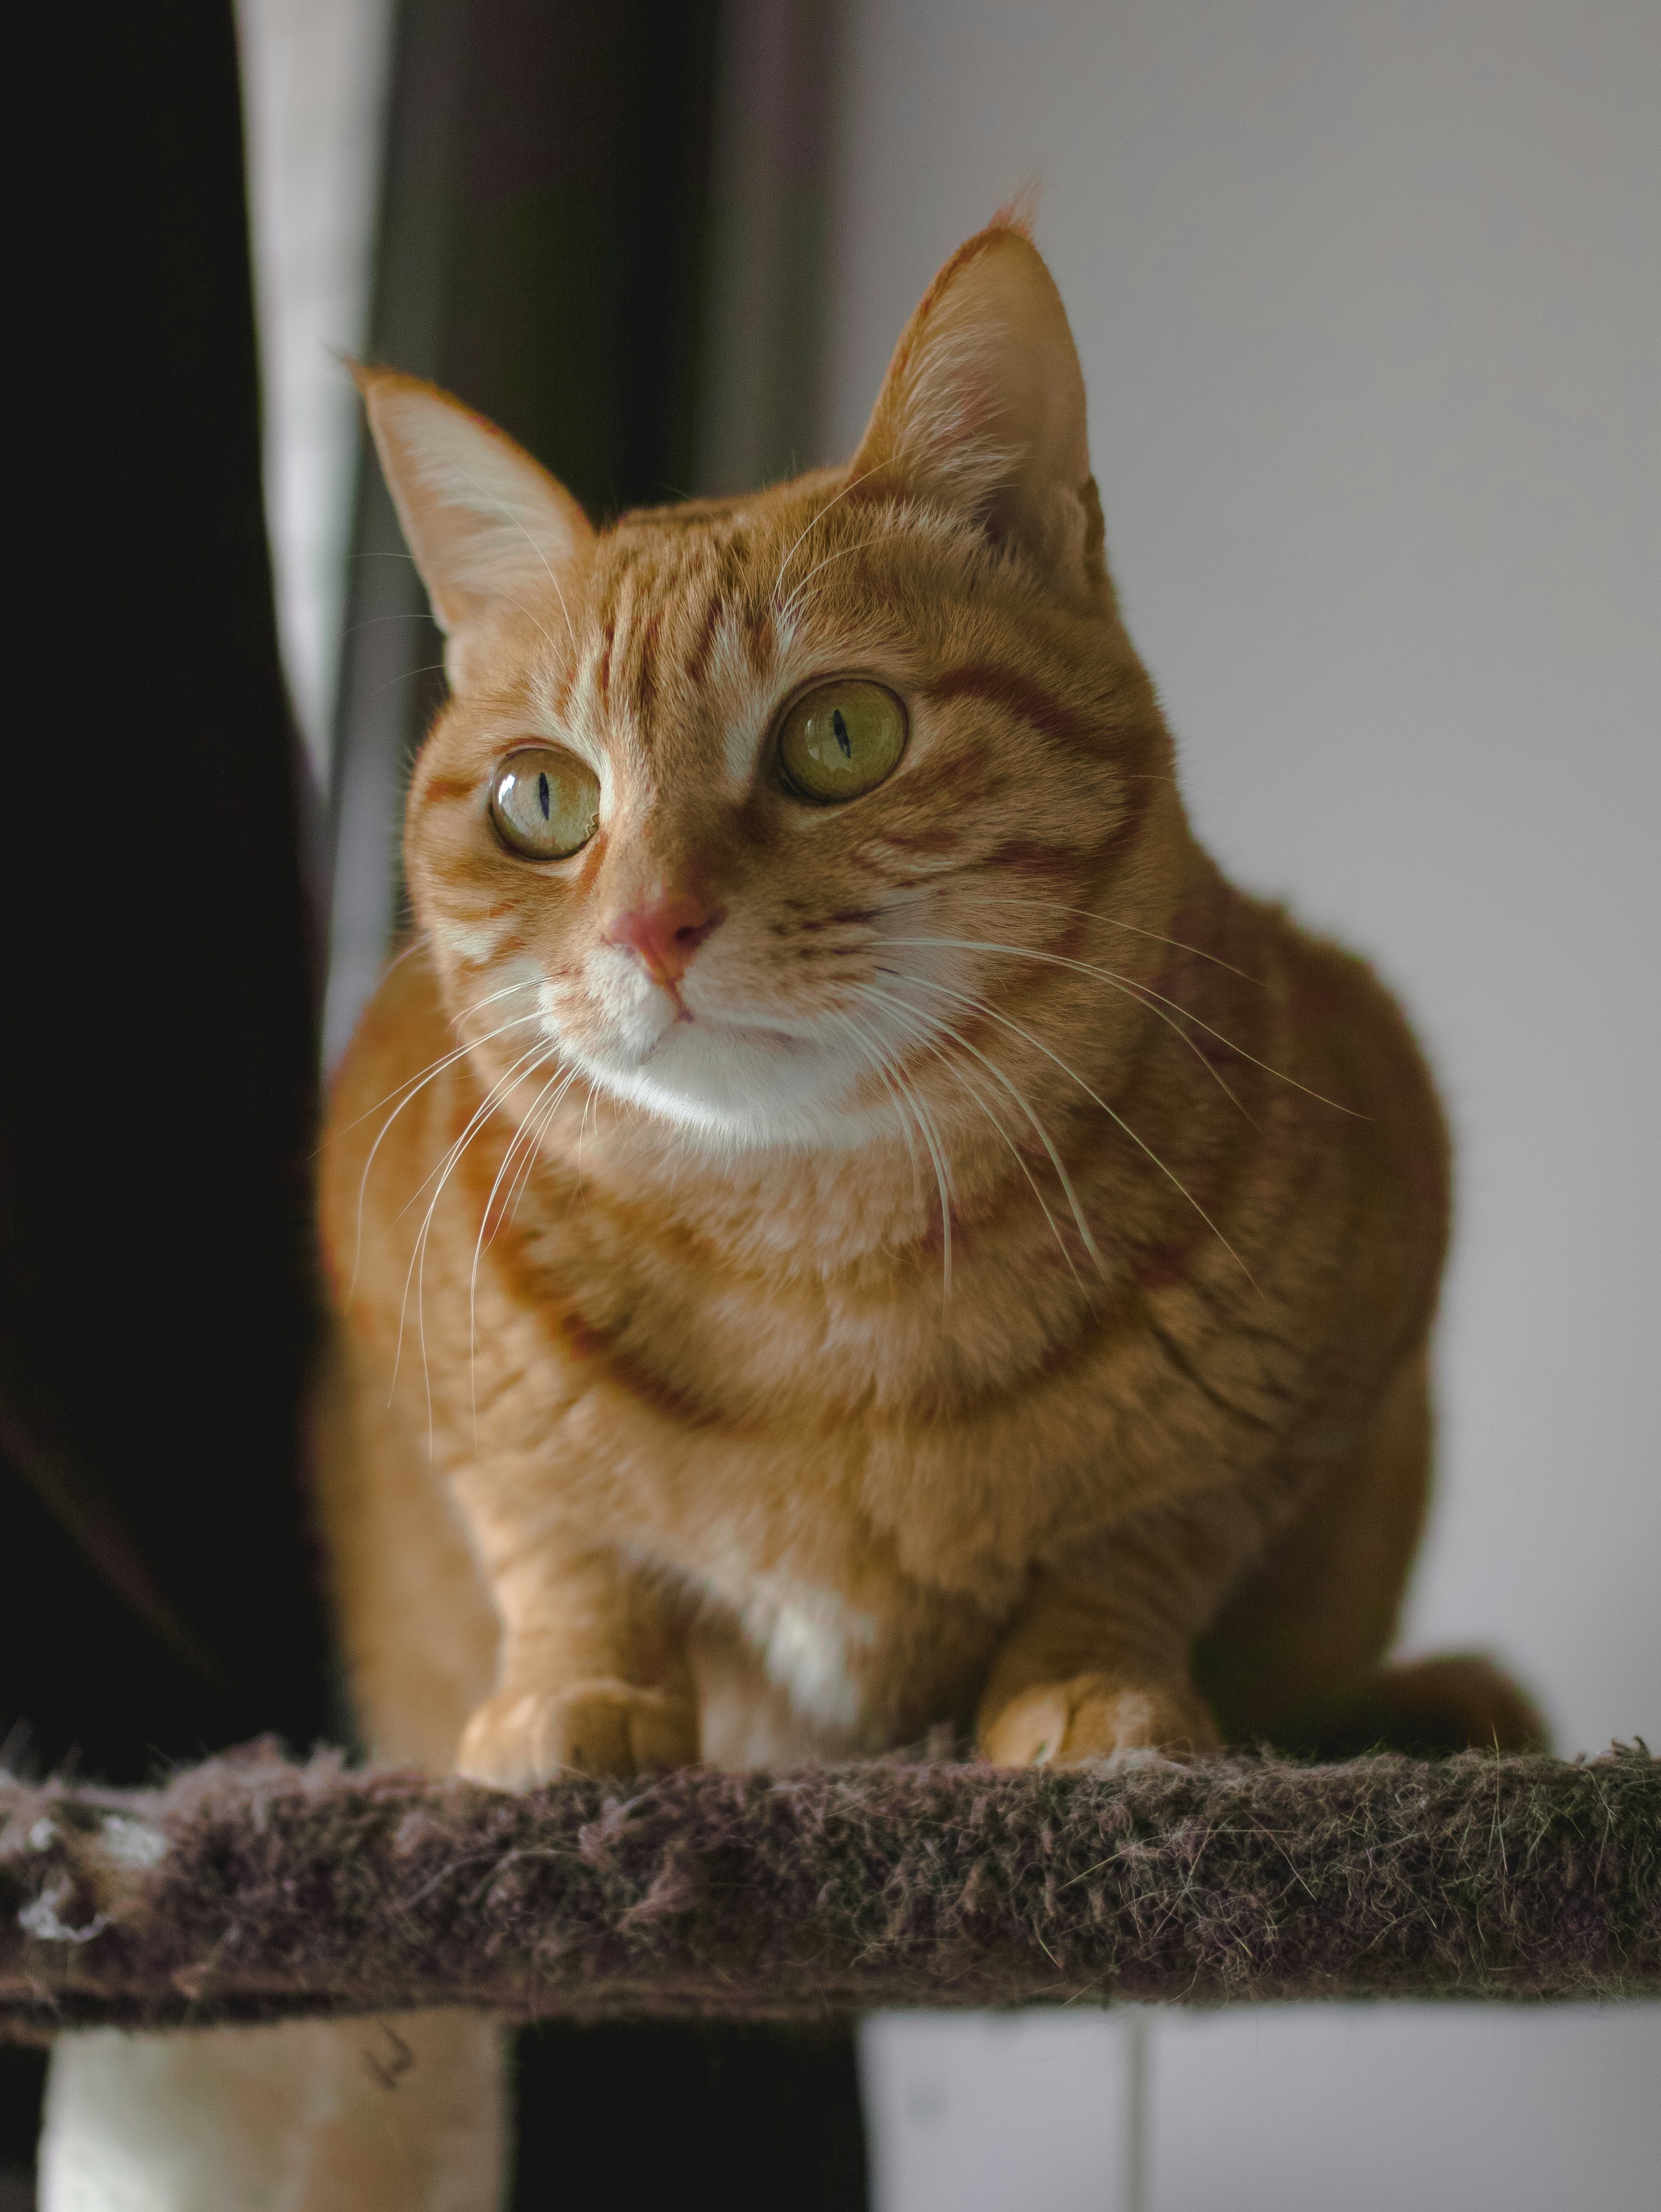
775,134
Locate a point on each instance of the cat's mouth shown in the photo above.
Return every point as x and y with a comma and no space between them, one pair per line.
760,1078
735,1030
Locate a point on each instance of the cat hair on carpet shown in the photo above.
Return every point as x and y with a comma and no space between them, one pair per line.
252,1888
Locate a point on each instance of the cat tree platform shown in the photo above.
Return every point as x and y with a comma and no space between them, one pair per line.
249,1888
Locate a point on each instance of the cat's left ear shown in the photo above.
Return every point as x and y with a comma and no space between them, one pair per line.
983,411
487,526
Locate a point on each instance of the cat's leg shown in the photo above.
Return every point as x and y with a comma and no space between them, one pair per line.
1097,1664
1296,1655
595,1676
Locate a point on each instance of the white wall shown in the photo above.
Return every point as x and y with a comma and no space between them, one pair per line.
314,88
1366,298
1276,2108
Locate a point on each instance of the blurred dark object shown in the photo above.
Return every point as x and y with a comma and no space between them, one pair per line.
729,2119
22,2076
156,1102
159,1093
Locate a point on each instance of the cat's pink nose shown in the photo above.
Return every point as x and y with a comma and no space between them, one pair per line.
663,934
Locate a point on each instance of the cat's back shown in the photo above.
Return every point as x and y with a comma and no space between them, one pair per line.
1369,1105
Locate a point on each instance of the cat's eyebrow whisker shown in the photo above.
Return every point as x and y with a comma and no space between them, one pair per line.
1144,991
818,516
951,1068
535,624
1065,1181
406,675
863,546
981,1006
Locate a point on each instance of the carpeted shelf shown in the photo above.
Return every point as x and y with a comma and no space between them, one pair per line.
249,1888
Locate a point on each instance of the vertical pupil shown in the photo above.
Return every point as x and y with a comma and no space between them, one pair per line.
841,729
542,794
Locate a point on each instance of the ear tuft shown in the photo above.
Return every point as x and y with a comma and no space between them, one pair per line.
983,409
487,524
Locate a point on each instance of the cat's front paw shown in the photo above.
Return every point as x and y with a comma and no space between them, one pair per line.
519,1738
1096,1718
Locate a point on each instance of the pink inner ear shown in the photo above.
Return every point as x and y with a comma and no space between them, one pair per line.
482,517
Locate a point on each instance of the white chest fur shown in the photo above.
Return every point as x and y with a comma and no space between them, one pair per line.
809,1641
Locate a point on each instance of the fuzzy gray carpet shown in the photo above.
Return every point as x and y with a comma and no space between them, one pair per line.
250,1888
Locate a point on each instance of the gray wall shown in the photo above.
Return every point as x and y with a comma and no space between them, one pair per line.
1366,298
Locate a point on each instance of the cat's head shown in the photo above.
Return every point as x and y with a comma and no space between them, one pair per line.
746,809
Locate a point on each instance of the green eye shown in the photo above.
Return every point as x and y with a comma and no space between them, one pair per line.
544,803
841,739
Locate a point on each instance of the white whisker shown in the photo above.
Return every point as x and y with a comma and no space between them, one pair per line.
1143,992
981,1005
864,544
527,1135
930,1135
920,1029
1085,913
873,1052
1065,1180
416,1085
1127,986
818,517
416,1270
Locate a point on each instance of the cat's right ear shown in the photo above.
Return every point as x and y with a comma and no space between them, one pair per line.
982,413
488,528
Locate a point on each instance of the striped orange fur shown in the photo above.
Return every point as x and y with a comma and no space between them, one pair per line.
810,1271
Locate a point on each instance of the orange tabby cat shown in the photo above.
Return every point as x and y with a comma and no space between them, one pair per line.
842,1220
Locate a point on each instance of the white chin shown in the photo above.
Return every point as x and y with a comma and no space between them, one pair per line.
736,1089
